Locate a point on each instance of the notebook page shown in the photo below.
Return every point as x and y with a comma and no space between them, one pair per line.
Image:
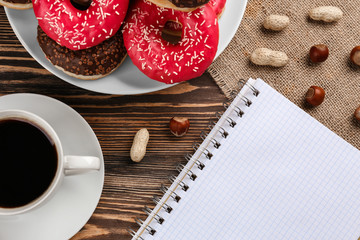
279,174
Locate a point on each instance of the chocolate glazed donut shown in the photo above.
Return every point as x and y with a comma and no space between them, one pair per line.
87,64
188,3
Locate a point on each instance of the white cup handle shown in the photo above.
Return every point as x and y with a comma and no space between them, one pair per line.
80,164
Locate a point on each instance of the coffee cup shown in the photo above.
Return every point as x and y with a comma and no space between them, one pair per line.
32,162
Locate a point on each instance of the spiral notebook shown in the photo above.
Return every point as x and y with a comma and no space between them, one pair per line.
266,170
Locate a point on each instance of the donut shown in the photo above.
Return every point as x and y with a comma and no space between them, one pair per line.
17,4
80,29
175,28
165,62
218,6
87,64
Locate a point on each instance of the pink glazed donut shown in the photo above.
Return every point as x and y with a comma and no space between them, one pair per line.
80,29
165,62
218,6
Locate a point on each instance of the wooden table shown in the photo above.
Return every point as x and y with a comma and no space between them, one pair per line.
115,119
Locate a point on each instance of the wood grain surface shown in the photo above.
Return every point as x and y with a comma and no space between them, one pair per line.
115,119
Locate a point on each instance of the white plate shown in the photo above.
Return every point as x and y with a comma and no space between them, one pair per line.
72,206
127,79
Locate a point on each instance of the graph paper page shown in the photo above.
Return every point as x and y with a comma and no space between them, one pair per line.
279,174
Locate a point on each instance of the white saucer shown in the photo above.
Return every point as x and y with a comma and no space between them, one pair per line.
72,206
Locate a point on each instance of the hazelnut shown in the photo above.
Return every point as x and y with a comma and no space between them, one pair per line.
319,53
179,126
315,95
355,55
357,113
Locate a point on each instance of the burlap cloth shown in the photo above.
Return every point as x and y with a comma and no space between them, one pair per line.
337,75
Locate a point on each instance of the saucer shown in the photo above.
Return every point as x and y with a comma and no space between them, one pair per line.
72,206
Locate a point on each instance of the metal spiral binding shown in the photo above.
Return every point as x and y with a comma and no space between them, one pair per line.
183,185
158,218
206,152
189,157
174,196
166,207
204,135
238,110
245,100
255,91
191,175
231,122
234,94
150,230
198,163
133,234
222,131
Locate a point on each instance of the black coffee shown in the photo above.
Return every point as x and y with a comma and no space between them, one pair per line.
28,162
